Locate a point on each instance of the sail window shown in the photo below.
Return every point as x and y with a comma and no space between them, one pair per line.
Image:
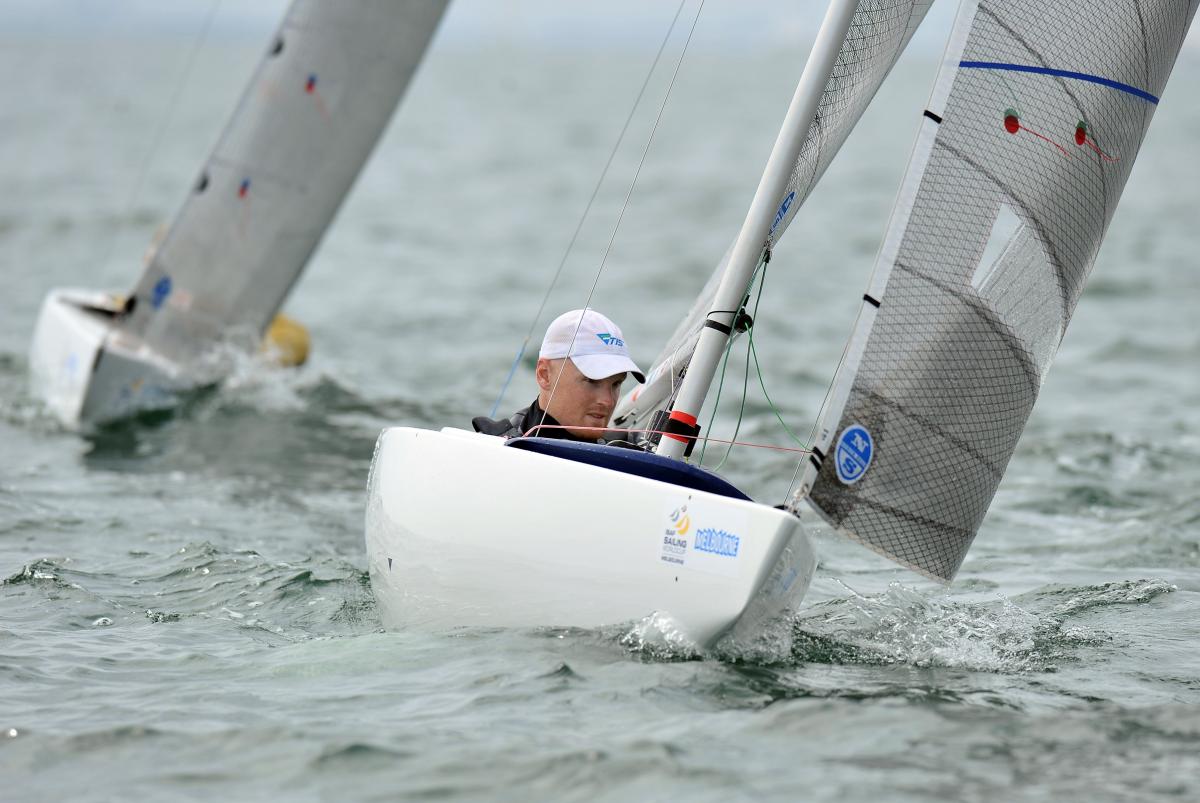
1003,228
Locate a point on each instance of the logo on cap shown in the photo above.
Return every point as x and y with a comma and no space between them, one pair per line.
609,340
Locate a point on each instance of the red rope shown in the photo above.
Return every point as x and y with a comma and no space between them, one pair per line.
526,434
1088,141
1047,139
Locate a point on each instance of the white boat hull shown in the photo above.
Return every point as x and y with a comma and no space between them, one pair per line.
464,531
85,370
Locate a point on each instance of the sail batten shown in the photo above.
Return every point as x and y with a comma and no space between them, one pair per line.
1036,120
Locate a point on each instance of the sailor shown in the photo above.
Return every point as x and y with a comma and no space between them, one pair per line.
580,368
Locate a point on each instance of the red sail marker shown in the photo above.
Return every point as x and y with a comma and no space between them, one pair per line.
243,194
310,87
1012,124
1082,138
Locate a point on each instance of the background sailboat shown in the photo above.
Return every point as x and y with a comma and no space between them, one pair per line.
311,114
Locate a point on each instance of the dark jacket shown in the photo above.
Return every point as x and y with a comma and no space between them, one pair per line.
522,421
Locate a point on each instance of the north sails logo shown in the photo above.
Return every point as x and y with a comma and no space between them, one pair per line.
853,454
783,210
609,340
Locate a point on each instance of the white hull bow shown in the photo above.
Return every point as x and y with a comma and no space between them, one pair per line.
464,531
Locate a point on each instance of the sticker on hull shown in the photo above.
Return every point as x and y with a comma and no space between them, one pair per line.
699,535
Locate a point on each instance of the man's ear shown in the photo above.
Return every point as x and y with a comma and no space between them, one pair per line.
542,372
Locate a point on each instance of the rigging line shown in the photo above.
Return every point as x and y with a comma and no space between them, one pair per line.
741,409
164,123
1009,89
746,378
717,400
753,354
587,209
724,363
628,195
529,433
763,385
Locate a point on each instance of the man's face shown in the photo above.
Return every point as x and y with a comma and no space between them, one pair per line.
577,401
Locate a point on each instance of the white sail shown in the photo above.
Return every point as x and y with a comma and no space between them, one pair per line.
1031,131
879,31
309,119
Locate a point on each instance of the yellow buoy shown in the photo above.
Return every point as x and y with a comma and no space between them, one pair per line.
286,342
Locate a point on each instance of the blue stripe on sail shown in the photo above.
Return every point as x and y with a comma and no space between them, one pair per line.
1079,76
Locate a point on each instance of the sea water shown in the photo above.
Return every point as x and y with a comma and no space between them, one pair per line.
184,608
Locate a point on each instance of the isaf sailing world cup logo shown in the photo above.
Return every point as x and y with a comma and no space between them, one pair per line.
674,542
681,522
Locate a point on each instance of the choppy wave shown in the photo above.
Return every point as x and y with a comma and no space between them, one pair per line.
17,407
315,597
1035,632
902,625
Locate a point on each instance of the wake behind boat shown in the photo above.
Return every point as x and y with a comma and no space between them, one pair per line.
309,118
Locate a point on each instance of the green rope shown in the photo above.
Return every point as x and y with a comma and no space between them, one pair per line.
717,400
751,354
771,404
745,379
724,364
741,412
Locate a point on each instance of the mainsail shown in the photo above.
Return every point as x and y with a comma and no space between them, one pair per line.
308,121
878,34
1032,128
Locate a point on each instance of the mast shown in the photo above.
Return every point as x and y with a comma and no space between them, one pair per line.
753,236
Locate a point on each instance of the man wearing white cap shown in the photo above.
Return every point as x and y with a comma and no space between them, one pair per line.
580,368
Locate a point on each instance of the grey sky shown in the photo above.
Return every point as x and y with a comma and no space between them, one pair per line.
724,23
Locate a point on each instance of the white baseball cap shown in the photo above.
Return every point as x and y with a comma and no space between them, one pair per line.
593,342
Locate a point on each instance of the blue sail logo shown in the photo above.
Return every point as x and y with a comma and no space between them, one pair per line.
783,210
853,455
162,289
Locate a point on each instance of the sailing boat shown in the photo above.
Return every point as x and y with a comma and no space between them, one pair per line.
309,118
1031,130
621,533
